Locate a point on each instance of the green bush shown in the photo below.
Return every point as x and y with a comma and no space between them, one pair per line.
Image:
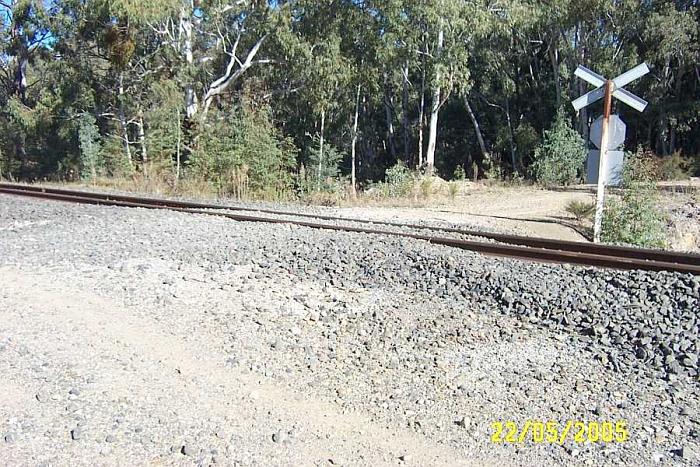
453,190
246,158
91,163
560,157
634,218
493,169
526,140
325,180
426,187
398,180
115,160
675,167
581,210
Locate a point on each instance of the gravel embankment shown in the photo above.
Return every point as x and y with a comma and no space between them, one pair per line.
136,336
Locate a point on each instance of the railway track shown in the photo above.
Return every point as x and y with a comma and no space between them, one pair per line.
512,246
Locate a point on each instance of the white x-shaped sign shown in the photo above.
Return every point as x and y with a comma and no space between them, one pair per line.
598,81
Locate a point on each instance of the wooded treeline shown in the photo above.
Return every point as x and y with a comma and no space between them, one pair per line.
278,96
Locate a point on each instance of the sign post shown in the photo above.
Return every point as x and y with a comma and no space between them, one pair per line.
602,167
606,89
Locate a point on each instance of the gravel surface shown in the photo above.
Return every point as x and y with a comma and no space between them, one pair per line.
684,222
132,336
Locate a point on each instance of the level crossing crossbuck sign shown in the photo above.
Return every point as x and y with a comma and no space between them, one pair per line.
607,132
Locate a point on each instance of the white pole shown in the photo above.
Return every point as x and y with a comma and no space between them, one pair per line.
602,163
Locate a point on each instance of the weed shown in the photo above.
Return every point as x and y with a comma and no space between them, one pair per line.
634,218
426,187
581,210
453,190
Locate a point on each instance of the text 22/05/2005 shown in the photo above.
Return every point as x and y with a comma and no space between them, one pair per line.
554,432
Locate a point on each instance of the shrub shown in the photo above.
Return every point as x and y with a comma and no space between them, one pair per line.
248,158
453,189
526,140
115,160
560,157
325,179
675,167
459,173
581,210
492,167
398,180
635,219
426,187
91,164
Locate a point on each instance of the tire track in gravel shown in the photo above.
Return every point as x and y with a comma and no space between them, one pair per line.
135,361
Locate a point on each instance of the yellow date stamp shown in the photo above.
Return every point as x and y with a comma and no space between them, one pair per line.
552,432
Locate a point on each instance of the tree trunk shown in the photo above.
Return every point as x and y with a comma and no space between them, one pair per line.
21,76
189,123
404,120
554,59
177,150
191,104
122,120
477,128
511,139
20,90
421,117
389,127
389,116
435,110
320,151
221,84
353,177
142,143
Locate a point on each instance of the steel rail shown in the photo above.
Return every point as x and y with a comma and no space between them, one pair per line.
549,253
564,245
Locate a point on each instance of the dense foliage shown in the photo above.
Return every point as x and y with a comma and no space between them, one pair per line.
634,218
559,160
275,98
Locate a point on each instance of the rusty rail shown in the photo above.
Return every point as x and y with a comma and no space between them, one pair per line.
512,246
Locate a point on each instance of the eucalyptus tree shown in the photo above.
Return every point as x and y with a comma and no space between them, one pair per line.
430,82
326,73
208,47
25,33
671,36
446,28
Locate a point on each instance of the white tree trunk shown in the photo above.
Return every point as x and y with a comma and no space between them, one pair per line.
191,104
122,120
434,111
511,139
230,76
142,143
554,60
20,89
354,142
177,149
421,117
404,119
320,151
388,113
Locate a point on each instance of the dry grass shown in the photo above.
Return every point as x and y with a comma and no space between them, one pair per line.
581,210
425,192
153,184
